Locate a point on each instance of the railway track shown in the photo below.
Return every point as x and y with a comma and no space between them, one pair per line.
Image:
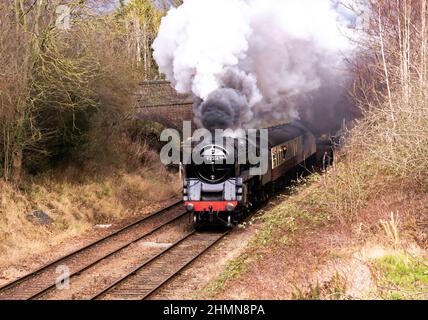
146,279
43,280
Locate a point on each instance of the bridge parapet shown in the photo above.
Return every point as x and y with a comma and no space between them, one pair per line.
160,102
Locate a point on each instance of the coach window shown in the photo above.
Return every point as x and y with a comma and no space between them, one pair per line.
275,160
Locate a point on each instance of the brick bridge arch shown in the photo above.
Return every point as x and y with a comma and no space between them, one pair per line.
159,102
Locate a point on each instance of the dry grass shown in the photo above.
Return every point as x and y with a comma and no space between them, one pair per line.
75,209
317,256
79,197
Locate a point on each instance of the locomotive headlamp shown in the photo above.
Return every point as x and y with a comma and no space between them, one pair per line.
190,207
230,207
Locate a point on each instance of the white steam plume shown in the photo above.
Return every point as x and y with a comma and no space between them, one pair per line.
250,60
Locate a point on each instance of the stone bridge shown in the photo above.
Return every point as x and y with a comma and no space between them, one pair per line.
159,102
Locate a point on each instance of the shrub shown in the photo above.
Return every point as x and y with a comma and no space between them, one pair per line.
66,91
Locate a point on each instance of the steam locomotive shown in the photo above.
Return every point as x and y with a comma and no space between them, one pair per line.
222,190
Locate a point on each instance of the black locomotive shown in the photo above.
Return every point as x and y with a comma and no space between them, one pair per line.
222,189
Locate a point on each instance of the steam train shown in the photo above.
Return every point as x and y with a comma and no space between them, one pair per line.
222,190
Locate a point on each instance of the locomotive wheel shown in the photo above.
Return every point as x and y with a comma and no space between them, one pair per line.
197,225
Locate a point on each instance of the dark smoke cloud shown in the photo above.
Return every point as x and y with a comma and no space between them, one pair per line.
223,109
